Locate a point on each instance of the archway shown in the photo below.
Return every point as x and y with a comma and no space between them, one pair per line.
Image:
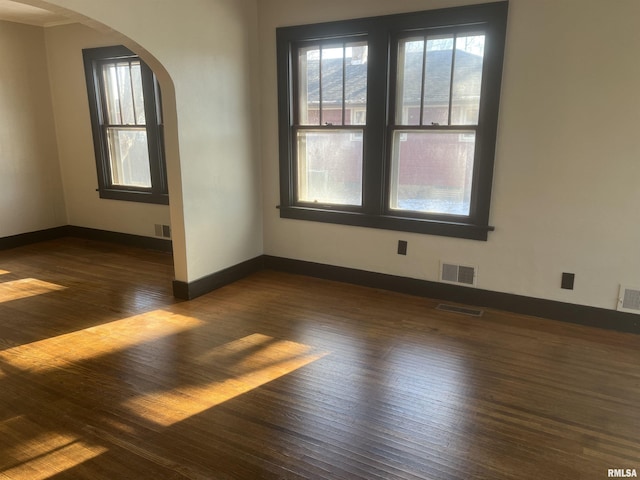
136,212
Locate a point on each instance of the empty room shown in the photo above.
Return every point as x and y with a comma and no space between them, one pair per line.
287,239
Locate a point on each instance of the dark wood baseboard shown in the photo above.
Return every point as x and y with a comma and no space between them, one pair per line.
150,243
554,310
550,309
191,290
22,239
128,239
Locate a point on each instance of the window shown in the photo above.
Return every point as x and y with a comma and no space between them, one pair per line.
329,121
390,122
124,101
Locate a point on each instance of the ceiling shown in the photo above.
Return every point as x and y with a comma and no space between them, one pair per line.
21,13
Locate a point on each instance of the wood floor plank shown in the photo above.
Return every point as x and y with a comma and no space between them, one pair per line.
104,375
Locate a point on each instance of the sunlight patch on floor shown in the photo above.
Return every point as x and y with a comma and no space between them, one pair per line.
25,288
4,272
37,454
104,339
248,363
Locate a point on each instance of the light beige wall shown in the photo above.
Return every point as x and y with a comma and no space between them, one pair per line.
566,192
30,189
75,143
208,50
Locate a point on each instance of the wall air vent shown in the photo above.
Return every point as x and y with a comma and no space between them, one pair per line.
629,299
163,231
459,274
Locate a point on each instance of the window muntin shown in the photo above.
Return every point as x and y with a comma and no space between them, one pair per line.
127,126
449,113
331,102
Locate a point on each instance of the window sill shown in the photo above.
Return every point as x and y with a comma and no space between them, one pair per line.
134,196
388,222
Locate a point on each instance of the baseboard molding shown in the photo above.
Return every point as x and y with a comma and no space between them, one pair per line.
88,233
550,309
554,310
23,239
128,239
191,290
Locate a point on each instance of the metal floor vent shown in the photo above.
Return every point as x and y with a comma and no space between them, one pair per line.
629,299
473,312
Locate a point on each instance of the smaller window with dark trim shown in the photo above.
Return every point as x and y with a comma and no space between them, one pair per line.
126,118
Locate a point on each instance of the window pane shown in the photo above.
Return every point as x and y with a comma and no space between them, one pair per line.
138,96
330,166
126,93
409,81
309,86
357,55
467,80
129,157
112,96
123,93
336,77
332,85
437,81
432,171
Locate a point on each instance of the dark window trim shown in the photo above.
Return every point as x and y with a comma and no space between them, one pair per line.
158,193
381,34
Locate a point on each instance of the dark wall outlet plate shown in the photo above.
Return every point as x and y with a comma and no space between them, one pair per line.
402,247
567,280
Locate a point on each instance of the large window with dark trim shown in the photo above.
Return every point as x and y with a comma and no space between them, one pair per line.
126,117
390,122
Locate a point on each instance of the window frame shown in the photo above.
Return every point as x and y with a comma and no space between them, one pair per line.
94,59
382,34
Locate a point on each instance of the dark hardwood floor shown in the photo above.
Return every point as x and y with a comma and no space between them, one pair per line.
103,375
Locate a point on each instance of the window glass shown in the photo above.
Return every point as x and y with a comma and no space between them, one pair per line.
432,171
309,85
437,80
330,166
331,82
123,93
467,80
129,157
332,85
409,81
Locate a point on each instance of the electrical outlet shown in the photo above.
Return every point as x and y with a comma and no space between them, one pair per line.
402,247
567,281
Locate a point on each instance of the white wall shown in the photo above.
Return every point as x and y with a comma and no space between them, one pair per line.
567,171
30,189
565,189
207,50
75,142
